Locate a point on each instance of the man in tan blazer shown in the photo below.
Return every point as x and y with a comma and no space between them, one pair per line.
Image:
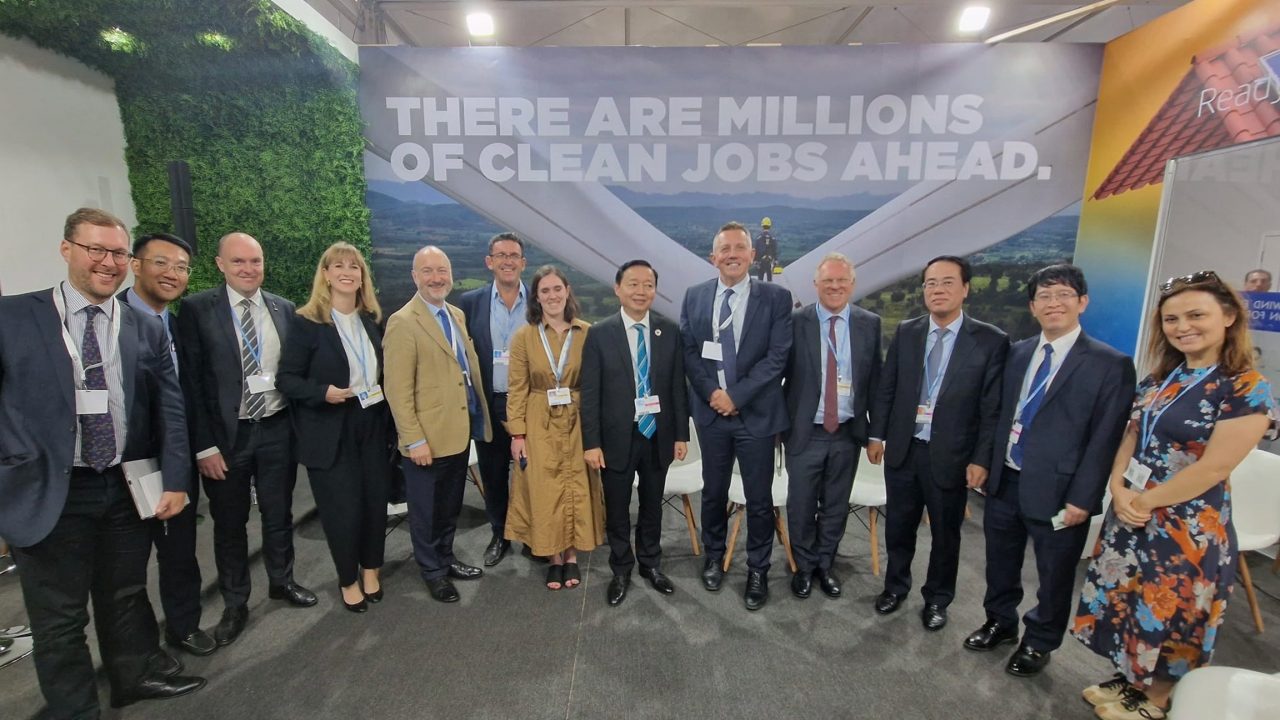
434,390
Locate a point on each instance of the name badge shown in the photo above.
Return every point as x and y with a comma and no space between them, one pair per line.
559,396
924,414
1137,474
648,405
91,402
844,388
370,396
501,357
261,383
712,351
1014,433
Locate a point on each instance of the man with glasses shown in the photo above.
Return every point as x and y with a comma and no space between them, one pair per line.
494,312
86,384
1065,404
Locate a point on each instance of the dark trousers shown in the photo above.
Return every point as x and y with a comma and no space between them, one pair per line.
819,479
721,442
435,499
180,582
912,489
494,459
617,481
351,495
263,455
98,549
1057,554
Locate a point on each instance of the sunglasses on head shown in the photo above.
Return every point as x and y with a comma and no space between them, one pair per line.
1175,284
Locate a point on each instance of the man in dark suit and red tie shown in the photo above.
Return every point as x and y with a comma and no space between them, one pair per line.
936,412
1065,404
634,428
831,377
736,335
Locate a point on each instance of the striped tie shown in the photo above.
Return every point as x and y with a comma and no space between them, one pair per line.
255,403
646,423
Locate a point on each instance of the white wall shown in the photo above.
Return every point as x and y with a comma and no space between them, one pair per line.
61,147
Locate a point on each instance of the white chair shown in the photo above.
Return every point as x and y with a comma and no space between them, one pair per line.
738,506
684,478
473,468
1255,509
1226,693
869,492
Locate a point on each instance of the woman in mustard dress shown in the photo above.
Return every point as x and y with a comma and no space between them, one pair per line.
557,506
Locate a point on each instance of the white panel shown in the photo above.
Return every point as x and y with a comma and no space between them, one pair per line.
320,25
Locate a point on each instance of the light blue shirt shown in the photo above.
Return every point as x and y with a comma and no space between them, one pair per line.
503,323
137,302
948,344
844,361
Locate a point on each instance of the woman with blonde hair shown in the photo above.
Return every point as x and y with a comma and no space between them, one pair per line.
331,370
1155,593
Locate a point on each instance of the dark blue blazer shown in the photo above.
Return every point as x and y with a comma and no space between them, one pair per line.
1071,443
38,419
762,357
803,383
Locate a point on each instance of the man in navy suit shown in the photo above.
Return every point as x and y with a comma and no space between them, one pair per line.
1065,404
736,335
494,312
87,383
936,412
831,377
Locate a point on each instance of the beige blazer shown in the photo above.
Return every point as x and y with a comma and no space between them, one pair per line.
424,384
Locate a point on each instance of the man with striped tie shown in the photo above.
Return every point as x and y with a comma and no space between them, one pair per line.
636,427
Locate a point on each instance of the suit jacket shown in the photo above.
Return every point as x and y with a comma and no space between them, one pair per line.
608,401
423,381
803,383
968,403
314,359
1071,443
38,421
209,355
762,357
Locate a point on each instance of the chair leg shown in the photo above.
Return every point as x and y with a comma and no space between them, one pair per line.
473,474
693,525
875,543
786,541
967,514
1276,567
1248,591
736,510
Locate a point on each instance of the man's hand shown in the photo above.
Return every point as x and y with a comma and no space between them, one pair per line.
421,455
682,449
975,476
875,452
594,458
171,503
1075,516
336,395
722,403
213,467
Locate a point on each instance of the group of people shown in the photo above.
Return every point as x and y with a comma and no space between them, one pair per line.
566,417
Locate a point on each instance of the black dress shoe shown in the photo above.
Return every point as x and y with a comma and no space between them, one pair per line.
154,687
991,634
1027,661
231,625
463,571
163,664
497,550
197,643
757,593
375,596
294,594
442,589
887,602
618,589
801,584
828,583
712,575
657,580
358,607
933,617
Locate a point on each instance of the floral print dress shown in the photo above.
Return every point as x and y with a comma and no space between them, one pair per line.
1154,596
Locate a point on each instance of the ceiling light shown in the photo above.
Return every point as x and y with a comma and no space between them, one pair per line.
974,18
480,24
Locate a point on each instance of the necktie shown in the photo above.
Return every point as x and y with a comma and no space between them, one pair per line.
255,403
830,400
932,366
461,355
97,433
728,346
647,424
1032,406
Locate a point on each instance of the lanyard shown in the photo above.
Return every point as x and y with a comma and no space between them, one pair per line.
1148,422
504,321
255,349
113,330
458,355
352,344
841,349
557,368
1054,367
933,386
719,327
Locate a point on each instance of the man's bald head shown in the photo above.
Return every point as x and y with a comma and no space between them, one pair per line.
241,262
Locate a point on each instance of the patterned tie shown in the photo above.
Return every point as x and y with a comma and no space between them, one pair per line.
255,403
461,356
1033,404
728,347
646,423
97,432
830,400
932,365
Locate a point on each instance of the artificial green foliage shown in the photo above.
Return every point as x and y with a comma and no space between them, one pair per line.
262,110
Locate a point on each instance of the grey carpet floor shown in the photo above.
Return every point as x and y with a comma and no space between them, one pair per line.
511,649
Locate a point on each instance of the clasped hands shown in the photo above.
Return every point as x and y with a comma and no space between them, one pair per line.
1130,507
722,403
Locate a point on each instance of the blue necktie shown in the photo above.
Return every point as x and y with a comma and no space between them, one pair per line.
728,347
647,424
1033,403
461,355
97,433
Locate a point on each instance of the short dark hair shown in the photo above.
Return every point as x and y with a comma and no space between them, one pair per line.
506,237
1060,274
622,269
142,242
966,272
534,312
1256,271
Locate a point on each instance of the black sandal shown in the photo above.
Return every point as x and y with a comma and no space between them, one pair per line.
571,573
555,574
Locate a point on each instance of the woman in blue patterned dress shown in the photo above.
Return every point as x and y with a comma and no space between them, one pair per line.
1156,590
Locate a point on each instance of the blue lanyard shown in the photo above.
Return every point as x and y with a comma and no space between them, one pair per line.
1149,423
841,350
255,349
557,369
933,386
505,320
1053,370
351,345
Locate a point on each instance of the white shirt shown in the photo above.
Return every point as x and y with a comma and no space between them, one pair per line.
362,359
629,325
268,344
109,346
1061,347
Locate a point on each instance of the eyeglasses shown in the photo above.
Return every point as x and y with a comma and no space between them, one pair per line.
500,257
1061,296
165,265
947,284
1175,284
96,253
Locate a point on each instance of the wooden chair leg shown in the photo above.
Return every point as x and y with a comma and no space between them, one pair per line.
875,543
473,474
967,514
736,510
1276,567
1248,591
786,541
693,526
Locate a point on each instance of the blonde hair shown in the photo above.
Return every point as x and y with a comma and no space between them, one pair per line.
318,308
